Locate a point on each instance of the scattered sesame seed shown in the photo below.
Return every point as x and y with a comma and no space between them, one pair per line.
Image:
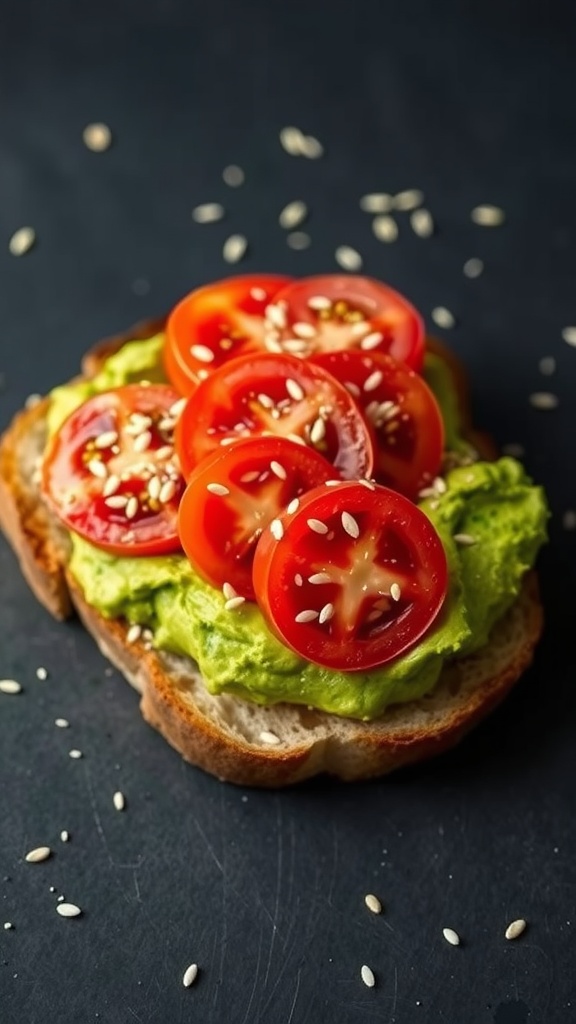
465,539
234,248
234,602
451,936
547,365
38,855
367,975
269,737
348,258
276,529
376,202
487,216
395,592
68,910
97,137
422,223
293,506
75,754
442,317
64,836
385,228
291,140
218,489
233,176
569,519
10,686
208,213
190,975
515,928
569,335
298,240
473,267
371,341
311,147
317,526
293,215
373,903
22,241
308,615
119,800
349,525
8,925
409,199
62,723
32,400
543,400
326,612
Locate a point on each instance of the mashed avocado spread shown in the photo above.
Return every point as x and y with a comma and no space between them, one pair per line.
493,503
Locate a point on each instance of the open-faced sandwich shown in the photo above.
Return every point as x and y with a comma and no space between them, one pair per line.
274,517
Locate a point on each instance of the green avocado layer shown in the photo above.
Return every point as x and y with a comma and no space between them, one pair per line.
496,504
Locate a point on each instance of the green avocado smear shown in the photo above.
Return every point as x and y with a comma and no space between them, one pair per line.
493,503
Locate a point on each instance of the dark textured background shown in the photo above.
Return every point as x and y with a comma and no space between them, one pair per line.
265,890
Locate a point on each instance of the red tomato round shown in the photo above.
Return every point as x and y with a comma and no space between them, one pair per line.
338,311
356,579
232,495
216,323
111,474
407,422
275,394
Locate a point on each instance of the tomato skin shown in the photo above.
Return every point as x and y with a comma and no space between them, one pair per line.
79,497
231,497
361,313
243,397
343,584
224,320
403,412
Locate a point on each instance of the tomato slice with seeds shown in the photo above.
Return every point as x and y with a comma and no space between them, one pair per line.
232,495
275,394
403,411
216,323
340,311
111,474
356,578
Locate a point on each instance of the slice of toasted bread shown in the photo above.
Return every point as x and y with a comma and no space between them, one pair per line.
229,737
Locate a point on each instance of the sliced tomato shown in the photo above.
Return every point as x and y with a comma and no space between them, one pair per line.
275,394
356,578
111,474
216,323
407,422
232,495
338,311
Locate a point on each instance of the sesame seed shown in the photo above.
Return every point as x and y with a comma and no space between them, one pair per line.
293,506
473,267
319,577
308,615
133,633
106,439
10,686
304,330
97,468
311,147
269,737
278,470
119,800
62,723
451,936
111,486
409,199
32,400
37,855
442,317
291,140
317,526
276,529
422,223
376,202
318,302
318,431
326,613
8,925
116,501
569,519
543,400
547,365
293,214
487,216
298,240
350,525
373,903
371,341
97,137
515,928
234,602
190,975
569,335
385,228
208,213
348,258
68,910
234,248
276,315
75,754
294,389
22,241
372,382
367,975
233,176
64,836
131,507
465,539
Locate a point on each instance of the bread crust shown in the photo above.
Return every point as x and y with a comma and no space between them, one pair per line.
220,733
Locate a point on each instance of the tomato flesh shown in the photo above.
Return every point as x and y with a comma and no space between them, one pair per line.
340,311
232,495
357,578
216,323
404,414
111,474
275,394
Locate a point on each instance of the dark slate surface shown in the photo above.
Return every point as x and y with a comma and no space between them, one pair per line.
265,890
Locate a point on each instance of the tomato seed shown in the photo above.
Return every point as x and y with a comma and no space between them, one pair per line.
326,613
218,489
294,390
371,341
278,470
350,525
317,525
293,506
202,353
317,302
308,615
276,529
304,330
395,592
373,381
